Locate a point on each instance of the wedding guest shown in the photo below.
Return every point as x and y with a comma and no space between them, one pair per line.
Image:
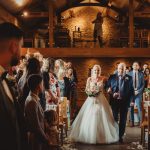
98,29
33,67
51,118
34,114
130,68
64,84
46,72
127,70
59,63
116,67
138,84
21,68
145,66
147,77
69,65
73,91
11,40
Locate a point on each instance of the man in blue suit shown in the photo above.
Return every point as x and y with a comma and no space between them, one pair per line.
120,88
138,84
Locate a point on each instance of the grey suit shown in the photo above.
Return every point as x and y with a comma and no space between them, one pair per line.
35,121
9,127
138,98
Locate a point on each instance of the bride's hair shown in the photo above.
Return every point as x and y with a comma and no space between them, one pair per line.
99,68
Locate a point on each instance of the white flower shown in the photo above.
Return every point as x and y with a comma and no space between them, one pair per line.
126,78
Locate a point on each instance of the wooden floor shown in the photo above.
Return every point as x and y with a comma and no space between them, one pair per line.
131,140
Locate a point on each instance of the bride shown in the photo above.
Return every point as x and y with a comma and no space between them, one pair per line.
95,122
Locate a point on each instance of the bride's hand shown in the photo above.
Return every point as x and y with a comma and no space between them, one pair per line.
109,91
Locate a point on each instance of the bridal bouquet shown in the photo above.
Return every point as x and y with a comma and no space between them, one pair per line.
92,92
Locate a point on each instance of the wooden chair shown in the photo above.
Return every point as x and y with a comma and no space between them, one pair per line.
63,120
144,123
148,127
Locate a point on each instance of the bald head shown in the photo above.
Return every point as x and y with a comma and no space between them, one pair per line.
121,68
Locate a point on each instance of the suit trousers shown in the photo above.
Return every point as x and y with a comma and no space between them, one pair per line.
120,110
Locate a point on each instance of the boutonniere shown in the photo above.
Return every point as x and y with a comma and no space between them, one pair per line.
126,78
10,78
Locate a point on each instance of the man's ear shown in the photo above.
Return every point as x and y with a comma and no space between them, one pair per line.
13,47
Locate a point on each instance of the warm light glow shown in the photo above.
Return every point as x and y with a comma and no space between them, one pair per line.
25,14
20,2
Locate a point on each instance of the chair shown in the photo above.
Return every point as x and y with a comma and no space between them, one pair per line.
148,127
144,123
63,120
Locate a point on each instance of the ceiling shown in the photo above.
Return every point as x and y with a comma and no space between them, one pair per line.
16,7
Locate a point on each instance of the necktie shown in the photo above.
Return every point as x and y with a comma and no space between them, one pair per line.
135,80
120,83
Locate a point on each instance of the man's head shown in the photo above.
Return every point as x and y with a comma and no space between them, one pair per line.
121,69
35,83
11,41
136,66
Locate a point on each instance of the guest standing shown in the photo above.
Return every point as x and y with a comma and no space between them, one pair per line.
11,40
34,114
138,84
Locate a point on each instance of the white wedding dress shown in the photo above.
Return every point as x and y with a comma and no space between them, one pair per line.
95,122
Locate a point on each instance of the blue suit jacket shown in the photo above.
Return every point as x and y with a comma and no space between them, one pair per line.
141,83
127,90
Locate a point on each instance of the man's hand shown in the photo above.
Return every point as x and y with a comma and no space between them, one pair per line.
136,93
132,104
115,95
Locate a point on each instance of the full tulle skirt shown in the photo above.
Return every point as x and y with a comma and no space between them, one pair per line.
95,123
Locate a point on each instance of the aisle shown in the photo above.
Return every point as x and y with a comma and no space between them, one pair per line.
132,135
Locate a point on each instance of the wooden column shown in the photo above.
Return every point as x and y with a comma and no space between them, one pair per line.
131,24
51,23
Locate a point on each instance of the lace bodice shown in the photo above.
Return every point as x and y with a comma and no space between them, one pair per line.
94,85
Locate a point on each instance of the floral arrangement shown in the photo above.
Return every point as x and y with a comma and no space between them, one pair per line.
93,91
146,94
147,90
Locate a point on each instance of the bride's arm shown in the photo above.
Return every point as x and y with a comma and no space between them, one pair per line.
87,88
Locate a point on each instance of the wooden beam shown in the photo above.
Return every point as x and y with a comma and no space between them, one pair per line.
37,15
91,52
142,14
51,23
131,24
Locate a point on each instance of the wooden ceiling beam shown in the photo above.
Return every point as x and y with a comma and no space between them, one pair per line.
142,14
37,15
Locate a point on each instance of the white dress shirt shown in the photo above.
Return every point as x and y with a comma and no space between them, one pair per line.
137,79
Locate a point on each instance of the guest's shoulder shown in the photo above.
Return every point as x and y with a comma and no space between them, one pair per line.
30,101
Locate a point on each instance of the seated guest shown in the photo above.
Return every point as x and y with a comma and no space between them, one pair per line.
51,118
34,114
